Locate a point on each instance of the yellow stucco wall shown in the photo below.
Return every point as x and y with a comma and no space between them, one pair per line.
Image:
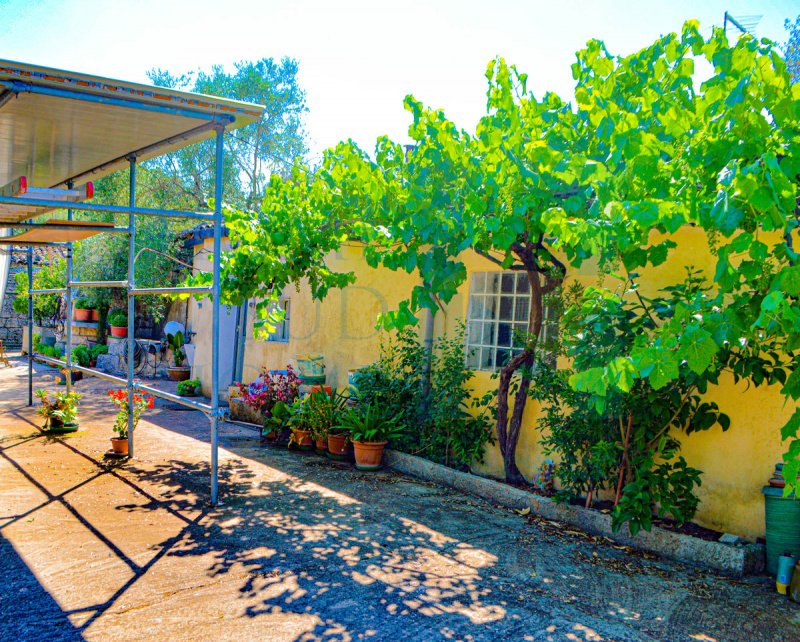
736,464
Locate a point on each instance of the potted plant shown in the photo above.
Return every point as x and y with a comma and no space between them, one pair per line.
253,402
325,407
119,444
339,445
118,322
276,421
95,351
61,411
189,387
370,428
301,428
83,310
177,371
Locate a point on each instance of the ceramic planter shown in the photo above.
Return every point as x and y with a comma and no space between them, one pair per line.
369,454
303,439
119,445
95,316
82,314
321,445
116,331
178,373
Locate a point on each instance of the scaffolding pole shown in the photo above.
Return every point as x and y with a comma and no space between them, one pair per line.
30,326
68,321
213,410
131,299
215,294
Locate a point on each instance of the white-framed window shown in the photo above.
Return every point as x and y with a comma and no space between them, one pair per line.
497,318
281,333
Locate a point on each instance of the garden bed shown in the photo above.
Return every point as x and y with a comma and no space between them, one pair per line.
735,560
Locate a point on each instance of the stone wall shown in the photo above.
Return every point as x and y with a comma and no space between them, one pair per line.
11,323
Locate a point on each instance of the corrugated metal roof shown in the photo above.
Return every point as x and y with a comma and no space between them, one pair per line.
58,125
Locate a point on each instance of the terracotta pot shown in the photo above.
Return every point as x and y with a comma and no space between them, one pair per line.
119,445
327,389
95,315
369,454
82,314
321,445
303,439
119,332
338,447
178,373
272,435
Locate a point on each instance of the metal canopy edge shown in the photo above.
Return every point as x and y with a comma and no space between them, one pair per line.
60,126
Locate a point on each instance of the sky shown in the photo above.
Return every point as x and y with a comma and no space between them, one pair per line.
358,59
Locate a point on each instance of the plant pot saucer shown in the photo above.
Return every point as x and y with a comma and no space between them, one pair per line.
336,457
368,469
112,455
62,430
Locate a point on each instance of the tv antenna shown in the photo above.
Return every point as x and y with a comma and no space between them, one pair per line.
745,24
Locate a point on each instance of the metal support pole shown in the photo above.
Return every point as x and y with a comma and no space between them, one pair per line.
68,321
131,299
30,326
215,294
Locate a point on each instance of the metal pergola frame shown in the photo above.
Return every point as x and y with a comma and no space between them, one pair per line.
210,121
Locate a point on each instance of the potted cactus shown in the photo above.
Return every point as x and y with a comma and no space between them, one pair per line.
178,371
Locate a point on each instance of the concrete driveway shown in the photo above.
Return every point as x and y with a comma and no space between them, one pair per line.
305,549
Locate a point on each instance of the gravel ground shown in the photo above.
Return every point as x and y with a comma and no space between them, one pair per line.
306,549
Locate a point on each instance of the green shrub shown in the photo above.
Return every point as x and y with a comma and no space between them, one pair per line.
96,350
435,421
118,318
50,351
37,342
83,304
81,355
48,277
189,387
629,446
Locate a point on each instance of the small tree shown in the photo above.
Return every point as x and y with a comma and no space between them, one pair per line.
253,153
46,307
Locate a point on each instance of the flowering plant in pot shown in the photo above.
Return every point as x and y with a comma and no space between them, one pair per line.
370,428
119,397
177,371
60,411
271,387
118,322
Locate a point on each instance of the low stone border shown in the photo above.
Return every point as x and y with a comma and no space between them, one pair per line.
731,559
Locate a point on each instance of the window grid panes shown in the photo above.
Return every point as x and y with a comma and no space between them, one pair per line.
281,333
497,318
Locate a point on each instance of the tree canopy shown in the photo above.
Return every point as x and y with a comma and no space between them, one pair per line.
542,184
253,153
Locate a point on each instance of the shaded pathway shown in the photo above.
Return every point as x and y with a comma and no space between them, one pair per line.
306,549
